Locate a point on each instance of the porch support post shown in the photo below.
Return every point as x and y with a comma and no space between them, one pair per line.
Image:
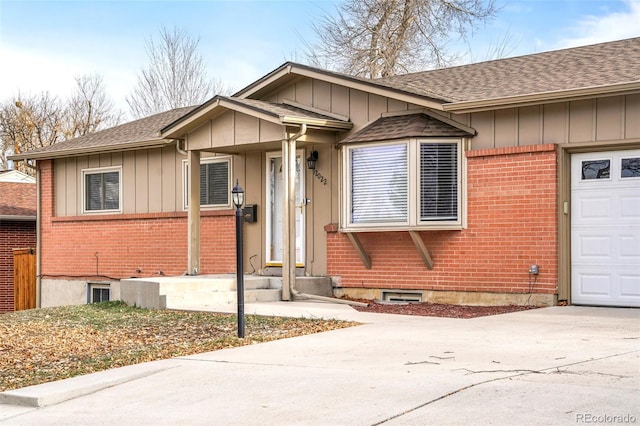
193,215
289,212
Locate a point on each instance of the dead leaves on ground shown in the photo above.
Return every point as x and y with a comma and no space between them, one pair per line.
43,345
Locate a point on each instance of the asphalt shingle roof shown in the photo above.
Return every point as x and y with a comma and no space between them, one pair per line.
405,126
142,130
575,68
17,199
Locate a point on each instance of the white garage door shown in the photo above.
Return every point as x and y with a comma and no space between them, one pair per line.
605,228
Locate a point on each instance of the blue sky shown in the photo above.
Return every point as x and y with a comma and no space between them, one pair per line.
45,44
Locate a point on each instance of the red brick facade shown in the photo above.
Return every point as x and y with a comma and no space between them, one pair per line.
511,211
129,245
13,234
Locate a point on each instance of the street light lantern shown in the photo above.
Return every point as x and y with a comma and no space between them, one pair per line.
237,193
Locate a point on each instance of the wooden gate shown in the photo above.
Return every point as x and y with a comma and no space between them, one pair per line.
24,279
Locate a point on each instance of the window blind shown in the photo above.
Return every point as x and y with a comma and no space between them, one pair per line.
438,181
214,183
379,184
102,191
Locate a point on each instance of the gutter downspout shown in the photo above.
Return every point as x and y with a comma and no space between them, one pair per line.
38,238
289,278
180,150
289,229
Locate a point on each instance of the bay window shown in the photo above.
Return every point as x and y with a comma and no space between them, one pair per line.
408,184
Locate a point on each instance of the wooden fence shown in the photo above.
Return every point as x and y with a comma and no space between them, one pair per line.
24,279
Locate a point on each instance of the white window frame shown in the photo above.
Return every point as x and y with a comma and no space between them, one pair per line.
185,181
99,286
100,170
413,188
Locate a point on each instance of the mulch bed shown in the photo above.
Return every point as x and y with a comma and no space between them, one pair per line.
439,310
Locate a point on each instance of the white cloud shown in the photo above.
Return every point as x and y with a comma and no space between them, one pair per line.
613,26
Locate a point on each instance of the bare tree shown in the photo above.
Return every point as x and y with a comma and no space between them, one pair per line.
89,109
380,38
34,121
174,77
29,122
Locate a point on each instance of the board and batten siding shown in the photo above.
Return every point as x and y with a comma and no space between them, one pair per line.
151,180
603,119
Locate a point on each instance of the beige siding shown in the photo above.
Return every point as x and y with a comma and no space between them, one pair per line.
610,118
593,120
529,126
554,119
632,117
322,95
129,182
151,180
506,124
340,100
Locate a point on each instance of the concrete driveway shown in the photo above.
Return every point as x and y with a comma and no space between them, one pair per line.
559,365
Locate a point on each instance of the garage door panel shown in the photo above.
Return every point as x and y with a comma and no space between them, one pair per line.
605,228
591,283
593,247
630,285
630,207
630,247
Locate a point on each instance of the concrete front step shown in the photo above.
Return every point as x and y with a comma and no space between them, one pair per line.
176,301
205,290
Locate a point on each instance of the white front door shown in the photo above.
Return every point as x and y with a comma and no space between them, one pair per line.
605,228
275,209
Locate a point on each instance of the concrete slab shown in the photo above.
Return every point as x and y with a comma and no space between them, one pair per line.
549,366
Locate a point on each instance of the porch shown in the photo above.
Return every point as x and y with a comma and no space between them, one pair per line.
189,291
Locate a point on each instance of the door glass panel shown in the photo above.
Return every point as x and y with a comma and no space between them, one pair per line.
276,211
630,167
596,169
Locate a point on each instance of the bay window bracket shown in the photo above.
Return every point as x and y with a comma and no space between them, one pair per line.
355,241
422,249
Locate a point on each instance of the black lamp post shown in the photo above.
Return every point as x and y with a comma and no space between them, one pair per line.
237,194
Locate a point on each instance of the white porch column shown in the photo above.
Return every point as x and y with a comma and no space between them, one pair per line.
193,215
287,237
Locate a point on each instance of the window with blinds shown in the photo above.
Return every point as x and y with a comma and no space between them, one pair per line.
403,185
438,181
101,190
214,183
379,184
215,177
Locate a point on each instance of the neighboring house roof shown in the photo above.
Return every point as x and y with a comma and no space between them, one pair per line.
278,113
17,201
15,176
406,126
133,135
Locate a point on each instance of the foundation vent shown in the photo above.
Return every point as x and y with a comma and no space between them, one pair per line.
401,297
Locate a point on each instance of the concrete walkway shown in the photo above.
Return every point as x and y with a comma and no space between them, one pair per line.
559,365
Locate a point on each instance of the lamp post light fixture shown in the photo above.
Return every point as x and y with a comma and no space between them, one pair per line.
237,194
311,160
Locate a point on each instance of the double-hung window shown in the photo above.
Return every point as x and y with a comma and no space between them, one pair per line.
102,191
215,178
408,184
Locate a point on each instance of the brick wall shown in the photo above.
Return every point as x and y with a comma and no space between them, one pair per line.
13,234
511,212
129,245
